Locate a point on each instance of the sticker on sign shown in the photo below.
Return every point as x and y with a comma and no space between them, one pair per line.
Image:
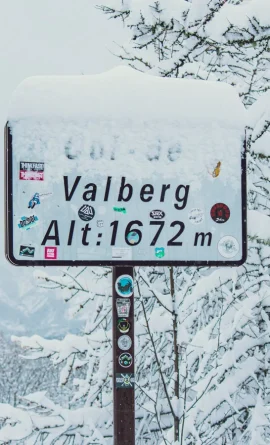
125,380
31,171
137,186
121,253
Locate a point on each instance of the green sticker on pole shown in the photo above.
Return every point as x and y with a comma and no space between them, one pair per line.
123,325
125,360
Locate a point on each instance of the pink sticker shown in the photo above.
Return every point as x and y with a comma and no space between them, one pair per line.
50,253
32,171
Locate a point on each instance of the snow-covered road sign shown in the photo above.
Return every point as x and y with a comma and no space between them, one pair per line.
128,168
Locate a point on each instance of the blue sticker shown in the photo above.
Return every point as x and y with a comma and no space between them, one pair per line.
124,286
159,252
133,238
26,222
34,201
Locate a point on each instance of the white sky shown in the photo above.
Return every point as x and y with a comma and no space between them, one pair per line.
51,37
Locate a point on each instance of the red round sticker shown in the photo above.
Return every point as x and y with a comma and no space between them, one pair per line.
220,213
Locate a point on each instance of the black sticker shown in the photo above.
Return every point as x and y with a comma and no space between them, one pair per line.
125,360
27,251
125,381
123,325
220,213
157,214
86,212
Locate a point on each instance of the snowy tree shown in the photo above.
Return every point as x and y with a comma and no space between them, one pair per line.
86,359
18,377
202,347
202,39
216,40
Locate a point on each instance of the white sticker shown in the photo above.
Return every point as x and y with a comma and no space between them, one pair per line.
196,216
228,246
123,307
124,342
121,253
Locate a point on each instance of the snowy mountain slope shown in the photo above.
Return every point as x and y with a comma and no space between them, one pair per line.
26,309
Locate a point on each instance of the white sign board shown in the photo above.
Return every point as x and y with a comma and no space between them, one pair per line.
137,170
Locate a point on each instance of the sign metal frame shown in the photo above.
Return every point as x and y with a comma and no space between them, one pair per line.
23,262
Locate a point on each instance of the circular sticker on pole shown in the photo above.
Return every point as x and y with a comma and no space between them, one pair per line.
124,342
125,360
220,213
124,285
228,247
196,216
86,212
123,325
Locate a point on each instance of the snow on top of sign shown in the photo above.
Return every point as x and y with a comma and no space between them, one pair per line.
128,123
123,91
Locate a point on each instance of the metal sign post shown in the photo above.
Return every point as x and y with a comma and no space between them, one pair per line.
123,356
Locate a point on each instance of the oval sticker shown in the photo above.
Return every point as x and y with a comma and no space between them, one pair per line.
157,214
124,342
196,216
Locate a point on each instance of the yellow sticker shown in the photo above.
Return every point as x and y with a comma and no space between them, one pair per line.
216,170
